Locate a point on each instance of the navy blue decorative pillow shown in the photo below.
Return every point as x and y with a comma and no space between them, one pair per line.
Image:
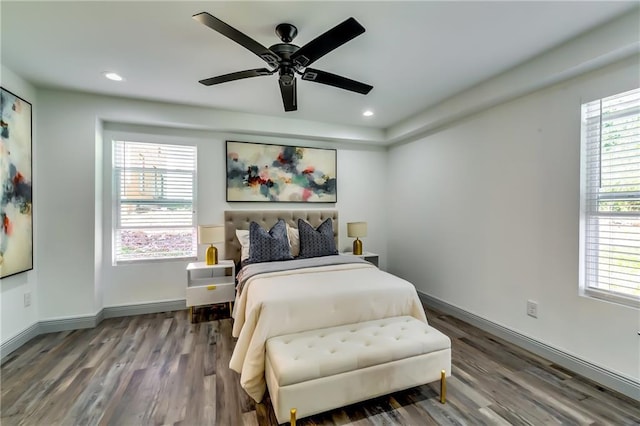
316,242
268,246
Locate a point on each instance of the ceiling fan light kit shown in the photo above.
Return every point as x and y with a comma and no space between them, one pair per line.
288,59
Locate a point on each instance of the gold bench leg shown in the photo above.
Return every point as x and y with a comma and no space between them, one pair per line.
443,387
230,310
293,417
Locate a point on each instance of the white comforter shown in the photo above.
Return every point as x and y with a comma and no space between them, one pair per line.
285,302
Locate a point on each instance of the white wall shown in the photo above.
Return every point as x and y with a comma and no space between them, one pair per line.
66,233
486,212
14,317
78,277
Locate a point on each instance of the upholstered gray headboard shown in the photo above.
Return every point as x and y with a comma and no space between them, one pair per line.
240,219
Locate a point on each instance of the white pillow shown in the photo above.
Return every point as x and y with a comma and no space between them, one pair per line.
294,240
243,237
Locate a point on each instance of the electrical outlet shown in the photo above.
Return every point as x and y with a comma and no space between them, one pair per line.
27,299
532,308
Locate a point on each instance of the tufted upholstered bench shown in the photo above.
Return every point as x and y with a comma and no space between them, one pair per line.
319,370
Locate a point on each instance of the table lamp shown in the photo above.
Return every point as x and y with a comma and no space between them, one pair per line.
211,234
357,229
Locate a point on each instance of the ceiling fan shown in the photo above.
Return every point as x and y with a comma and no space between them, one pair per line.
288,59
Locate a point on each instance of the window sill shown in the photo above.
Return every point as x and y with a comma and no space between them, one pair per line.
619,299
161,260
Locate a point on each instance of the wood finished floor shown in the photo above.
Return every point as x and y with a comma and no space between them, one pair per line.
161,369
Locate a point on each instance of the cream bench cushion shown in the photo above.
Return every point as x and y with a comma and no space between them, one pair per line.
319,370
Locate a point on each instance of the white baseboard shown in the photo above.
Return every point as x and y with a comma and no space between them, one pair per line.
144,308
18,340
612,380
88,321
75,323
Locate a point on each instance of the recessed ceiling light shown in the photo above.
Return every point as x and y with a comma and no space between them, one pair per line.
113,76
368,113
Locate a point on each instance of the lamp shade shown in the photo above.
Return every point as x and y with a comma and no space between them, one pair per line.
357,229
209,234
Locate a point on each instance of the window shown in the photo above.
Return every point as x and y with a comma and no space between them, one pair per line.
154,187
610,257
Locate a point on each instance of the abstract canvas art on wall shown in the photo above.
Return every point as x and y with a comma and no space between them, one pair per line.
280,173
16,219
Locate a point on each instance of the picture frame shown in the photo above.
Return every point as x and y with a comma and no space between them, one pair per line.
259,172
16,202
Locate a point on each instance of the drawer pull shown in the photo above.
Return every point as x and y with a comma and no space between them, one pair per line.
211,287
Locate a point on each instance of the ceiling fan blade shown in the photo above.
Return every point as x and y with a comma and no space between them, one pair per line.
334,80
236,76
242,39
325,43
289,95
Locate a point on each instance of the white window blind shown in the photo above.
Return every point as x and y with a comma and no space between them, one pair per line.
154,191
611,138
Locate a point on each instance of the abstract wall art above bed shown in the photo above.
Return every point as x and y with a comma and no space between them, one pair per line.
280,173
16,219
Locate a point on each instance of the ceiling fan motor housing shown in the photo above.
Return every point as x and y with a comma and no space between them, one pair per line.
287,67
284,50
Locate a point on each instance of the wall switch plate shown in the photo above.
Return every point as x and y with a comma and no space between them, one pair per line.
27,299
532,308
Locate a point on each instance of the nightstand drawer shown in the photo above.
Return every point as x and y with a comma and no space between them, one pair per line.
210,294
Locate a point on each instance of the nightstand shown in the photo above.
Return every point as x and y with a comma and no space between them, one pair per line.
366,255
210,284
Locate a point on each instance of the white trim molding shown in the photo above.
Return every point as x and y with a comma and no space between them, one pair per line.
18,340
87,321
609,379
144,308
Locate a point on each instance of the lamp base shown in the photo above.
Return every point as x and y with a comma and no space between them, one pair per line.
357,247
212,255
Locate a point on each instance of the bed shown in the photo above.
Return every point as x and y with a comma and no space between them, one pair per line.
300,295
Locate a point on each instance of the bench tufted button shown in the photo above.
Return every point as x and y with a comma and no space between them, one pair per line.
332,351
343,340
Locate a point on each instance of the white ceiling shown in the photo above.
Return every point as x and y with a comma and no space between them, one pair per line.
415,54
